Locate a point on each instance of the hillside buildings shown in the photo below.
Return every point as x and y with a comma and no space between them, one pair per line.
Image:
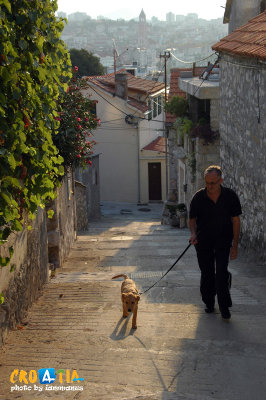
140,42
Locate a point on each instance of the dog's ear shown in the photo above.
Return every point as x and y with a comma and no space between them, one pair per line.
138,297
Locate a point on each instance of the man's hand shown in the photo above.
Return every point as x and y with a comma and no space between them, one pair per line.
233,253
193,229
193,239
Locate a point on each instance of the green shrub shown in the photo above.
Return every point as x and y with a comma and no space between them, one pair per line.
35,69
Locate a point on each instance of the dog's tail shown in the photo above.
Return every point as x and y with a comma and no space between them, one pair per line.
120,276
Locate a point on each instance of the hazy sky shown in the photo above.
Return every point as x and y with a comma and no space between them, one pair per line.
206,9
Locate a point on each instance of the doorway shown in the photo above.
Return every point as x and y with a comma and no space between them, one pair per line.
155,181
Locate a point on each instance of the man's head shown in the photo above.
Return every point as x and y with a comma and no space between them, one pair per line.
213,179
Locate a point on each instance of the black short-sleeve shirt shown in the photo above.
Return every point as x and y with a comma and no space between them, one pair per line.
214,220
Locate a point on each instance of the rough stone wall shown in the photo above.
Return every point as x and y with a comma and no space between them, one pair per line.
32,256
243,143
22,287
215,114
205,155
90,178
173,165
62,227
197,155
81,206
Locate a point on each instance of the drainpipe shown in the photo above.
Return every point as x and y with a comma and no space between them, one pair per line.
166,158
138,160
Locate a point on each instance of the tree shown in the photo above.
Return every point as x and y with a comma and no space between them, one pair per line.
177,106
77,121
35,69
87,63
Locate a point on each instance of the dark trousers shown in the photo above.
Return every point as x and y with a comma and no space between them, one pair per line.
213,264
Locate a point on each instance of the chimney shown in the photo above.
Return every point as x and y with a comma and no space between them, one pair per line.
121,85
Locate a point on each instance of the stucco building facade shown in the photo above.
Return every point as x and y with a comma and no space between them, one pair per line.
132,116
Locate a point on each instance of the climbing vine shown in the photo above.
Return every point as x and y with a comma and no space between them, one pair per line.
35,69
77,121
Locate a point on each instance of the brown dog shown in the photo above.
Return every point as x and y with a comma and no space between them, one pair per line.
130,298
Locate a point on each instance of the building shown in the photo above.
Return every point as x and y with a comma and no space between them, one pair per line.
238,12
131,113
170,18
142,30
243,125
201,144
78,16
189,155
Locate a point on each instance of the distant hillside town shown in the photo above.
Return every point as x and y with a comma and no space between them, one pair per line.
139,42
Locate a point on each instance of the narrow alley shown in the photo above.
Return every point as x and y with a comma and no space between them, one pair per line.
178,352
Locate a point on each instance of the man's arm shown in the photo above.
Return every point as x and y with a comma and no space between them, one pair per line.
236,232
193,229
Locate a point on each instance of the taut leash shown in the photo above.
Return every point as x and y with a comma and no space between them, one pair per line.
181,255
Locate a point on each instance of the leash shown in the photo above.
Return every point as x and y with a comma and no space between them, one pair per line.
181,255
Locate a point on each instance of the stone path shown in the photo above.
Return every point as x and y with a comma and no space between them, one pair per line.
177,353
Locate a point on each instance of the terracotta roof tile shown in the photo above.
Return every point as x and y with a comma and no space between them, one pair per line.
248,40
138,85
156,145
135,84
137,104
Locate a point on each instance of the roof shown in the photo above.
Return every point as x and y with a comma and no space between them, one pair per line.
136,85
249,40
140,85
156,145
175,89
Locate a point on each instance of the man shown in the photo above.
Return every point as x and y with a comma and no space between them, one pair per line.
215,226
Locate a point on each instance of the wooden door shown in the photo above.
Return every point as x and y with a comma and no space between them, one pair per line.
155,181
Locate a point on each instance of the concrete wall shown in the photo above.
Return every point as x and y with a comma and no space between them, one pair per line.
150,130
243,143
242,11
22,286
117,144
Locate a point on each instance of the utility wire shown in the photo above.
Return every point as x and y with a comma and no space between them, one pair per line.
132,115
155,82
203,80
112,120
123,112
191,62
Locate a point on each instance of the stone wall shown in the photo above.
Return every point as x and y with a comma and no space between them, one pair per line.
22,286
243,143
89,177
81,206
32,257
62,227
215,114
188,160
